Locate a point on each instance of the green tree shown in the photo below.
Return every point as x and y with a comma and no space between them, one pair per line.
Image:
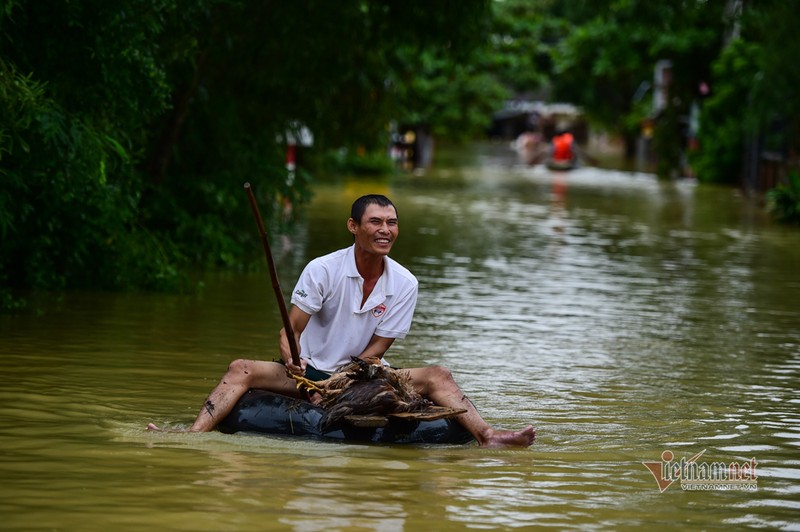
611,51
79,81
455,99
723,124
128,128
753,99
524,36
341,69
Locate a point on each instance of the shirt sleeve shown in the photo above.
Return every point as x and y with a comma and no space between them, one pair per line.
309,291
397,321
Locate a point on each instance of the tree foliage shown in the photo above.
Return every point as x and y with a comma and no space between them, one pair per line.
724,123
601,54
523,40
608,58
783,201
755,79
128,128
72,126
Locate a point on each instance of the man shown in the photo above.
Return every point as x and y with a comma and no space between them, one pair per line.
355,300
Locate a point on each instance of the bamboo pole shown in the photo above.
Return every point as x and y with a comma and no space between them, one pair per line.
273,273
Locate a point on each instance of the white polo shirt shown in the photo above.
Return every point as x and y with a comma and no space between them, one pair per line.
331,289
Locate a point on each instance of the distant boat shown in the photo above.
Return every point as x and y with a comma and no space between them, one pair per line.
561,165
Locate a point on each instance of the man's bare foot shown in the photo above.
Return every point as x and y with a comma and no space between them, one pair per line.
508,438
152,427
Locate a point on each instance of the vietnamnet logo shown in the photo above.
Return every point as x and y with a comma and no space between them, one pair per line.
694,475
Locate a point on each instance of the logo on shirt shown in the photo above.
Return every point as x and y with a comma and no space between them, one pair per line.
379,311
301,293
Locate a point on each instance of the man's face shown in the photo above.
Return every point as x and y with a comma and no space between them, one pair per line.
377,230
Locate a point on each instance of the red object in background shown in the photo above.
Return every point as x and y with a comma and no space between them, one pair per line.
562,147
291,156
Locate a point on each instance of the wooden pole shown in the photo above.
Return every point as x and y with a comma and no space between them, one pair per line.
273,273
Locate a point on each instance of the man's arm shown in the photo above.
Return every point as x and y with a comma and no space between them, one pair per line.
375,349
298,319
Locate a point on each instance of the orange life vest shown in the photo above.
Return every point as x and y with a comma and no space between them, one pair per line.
562,147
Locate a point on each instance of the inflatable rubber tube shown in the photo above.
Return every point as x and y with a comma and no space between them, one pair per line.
265,412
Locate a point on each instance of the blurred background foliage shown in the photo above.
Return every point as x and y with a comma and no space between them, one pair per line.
127,128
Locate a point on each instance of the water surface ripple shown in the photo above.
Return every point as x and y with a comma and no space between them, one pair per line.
622,315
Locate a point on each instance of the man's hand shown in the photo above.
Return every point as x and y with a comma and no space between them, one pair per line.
286,355
297,370
299,320
377,346
371,359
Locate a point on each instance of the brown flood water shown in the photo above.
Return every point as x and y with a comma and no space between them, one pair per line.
623,316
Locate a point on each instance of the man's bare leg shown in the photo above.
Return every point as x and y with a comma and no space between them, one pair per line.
437,384
240,377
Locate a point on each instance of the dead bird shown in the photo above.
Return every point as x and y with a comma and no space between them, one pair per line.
363,389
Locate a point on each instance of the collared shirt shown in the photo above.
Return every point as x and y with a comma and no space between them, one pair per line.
331,290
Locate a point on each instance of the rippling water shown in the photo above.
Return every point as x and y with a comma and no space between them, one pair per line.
622,315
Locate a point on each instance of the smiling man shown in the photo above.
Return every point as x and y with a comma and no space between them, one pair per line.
355,301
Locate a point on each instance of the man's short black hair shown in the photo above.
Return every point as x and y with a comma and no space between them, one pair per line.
360,205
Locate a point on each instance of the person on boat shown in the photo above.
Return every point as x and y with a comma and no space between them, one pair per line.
530,147
563,149
355,300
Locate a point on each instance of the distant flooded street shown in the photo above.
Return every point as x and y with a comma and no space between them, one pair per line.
622,315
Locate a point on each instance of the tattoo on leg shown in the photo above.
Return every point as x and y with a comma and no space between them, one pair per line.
209,406
464,398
